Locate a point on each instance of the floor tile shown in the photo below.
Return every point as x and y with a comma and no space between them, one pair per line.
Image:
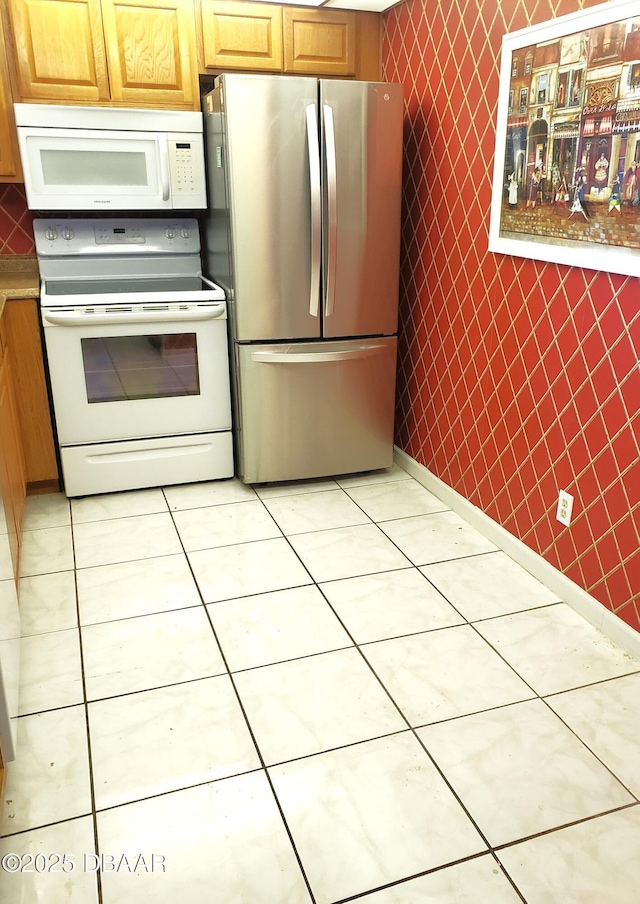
271,627
591,863
370,814
488,585
347,552
555,649
48,603
607,718
272,490
247,568
136,654
385,475
49,779
49,510
444,674
66,850
437,537
520,771
125,539
135,588
402,499
225,525
315,511
118,505
50,671
302,707
214,492
45,551
378,606
477,881
223,841
162,740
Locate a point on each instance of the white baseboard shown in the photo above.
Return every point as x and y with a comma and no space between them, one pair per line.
593,611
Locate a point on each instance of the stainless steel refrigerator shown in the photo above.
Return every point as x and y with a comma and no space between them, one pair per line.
303,233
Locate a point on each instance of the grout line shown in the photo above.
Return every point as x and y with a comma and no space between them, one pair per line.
86,712
250,730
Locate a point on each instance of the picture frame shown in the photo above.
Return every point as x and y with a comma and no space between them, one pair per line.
565,188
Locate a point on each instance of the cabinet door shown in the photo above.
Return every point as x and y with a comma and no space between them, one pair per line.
319,41
60,50
242,35
151,48
22,325
10,170
12,479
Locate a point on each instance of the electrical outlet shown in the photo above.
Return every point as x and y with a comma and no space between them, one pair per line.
565,504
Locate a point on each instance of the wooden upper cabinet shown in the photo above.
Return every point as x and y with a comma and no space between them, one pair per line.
10,170
242,35
151,49
322,42
266,37
60,53
134,52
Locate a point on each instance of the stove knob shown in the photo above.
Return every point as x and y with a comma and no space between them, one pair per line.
51,234
67,234
170,233
184,232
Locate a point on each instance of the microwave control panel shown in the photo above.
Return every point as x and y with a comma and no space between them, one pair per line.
186,164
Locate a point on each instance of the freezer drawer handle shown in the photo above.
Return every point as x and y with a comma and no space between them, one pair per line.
332,209
316,208
71,318
267,357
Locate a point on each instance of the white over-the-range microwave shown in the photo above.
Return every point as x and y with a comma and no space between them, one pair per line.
105,158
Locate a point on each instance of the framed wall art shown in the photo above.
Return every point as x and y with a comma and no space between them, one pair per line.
566,182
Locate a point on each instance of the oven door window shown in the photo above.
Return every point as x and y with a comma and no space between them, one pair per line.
128,368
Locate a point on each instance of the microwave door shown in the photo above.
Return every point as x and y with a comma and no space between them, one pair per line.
79,170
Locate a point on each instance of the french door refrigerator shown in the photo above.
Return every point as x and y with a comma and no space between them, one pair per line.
303,233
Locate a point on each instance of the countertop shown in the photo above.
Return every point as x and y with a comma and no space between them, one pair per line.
19,277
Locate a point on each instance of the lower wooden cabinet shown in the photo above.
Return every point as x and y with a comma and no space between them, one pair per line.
12,470
22,330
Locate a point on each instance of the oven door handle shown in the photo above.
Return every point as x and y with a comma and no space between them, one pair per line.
73,318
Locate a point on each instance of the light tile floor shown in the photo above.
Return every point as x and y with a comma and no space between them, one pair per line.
315,692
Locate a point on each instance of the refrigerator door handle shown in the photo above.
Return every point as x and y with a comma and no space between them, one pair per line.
293,357
332,209
316,208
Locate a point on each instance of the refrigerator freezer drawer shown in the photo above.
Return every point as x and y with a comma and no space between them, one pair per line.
315,409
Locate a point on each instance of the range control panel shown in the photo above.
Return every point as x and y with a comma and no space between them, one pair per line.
63,238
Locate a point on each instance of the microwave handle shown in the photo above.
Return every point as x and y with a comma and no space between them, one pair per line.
163,145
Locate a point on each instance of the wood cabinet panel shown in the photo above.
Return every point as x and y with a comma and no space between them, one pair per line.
321,42
151,49
10,169
60,53
242,36
12,472
22,329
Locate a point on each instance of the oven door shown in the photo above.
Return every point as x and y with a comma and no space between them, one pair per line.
124,371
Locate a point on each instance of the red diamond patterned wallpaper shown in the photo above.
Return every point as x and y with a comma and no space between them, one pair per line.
16,231
516,378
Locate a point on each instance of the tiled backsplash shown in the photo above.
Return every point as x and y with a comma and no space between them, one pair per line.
16,233
516,378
